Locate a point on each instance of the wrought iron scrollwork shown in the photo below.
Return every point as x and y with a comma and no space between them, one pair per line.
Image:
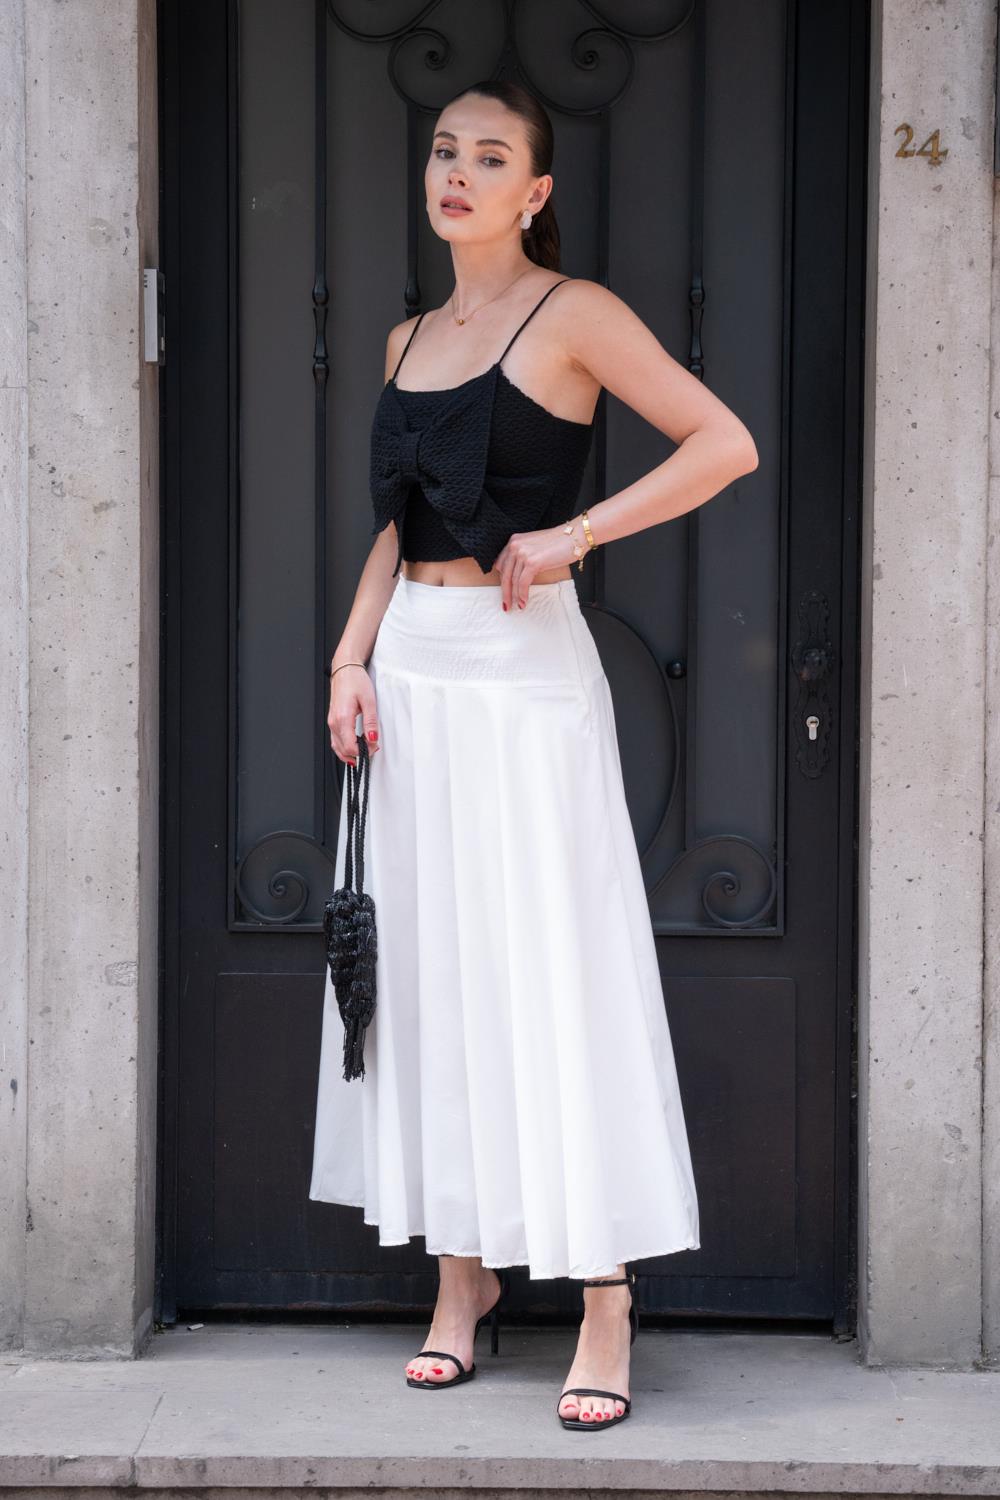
732,878
726,878
272,893
421,51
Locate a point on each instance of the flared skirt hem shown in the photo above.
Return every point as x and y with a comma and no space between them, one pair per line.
550,1274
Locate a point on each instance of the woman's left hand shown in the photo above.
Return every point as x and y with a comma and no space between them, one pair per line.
527,554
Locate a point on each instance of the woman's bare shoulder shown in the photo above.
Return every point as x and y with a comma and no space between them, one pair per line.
396,342
581,297
581,301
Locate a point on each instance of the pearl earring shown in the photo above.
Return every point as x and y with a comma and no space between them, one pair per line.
526,220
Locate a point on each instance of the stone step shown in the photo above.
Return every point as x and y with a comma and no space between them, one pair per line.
254,1409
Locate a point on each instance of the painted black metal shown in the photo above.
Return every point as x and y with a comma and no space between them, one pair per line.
321,377
845,1170
240,1024
164,1219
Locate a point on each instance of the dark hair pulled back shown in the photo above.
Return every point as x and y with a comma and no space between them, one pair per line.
541,241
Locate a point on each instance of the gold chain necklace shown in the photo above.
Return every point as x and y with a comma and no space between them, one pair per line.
500,293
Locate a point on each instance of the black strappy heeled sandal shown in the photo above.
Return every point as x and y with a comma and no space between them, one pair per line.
577,1424
463,1373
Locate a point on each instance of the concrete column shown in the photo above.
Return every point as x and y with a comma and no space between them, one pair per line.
13,673
921,882
80,560
991,1007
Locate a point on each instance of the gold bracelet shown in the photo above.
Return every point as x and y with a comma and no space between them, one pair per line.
579,551
334,670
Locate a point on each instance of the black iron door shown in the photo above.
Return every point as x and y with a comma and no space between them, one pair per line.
709,167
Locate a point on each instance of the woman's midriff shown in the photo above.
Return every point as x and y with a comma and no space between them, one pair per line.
465,572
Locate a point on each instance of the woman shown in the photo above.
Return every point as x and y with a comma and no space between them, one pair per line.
520,1104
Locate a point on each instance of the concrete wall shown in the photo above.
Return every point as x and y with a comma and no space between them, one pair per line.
80,653
921,878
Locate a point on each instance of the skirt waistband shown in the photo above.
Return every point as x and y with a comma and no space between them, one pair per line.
489,591
461,632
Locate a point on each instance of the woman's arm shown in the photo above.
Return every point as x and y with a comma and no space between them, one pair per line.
351,690
602,337
606,338
371,600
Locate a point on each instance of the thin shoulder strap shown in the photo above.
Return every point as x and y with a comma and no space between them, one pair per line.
409,341
532,313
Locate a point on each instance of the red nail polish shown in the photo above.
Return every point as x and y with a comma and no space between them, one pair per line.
505,606
373,734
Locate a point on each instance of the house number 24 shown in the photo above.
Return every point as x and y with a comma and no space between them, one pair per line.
931,147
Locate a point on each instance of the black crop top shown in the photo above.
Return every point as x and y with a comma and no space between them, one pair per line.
460,470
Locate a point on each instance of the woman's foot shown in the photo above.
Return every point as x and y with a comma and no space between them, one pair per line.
466,1291
602,1352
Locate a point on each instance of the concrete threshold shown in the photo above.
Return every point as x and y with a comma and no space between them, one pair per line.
257,1410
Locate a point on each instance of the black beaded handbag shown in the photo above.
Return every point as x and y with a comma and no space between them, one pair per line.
349,927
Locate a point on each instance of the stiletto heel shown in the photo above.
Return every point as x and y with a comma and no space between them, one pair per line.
463,1373
494,1314
576,1423
495,1323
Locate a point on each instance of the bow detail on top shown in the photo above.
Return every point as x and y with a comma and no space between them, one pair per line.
448,459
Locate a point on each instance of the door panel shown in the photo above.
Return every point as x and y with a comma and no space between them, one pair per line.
709,169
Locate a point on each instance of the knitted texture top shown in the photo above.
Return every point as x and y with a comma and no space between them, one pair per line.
460,470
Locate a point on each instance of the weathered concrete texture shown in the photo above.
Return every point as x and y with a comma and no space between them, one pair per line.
991,1008
922,720
148,729
271,1407
13,674
92,675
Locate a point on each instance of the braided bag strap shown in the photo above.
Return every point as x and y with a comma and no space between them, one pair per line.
362,775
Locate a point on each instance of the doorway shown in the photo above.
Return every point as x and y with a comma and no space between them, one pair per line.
710,168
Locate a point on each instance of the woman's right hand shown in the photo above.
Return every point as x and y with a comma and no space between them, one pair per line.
352,692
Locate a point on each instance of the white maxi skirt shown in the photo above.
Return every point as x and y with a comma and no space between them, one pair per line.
520,1099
